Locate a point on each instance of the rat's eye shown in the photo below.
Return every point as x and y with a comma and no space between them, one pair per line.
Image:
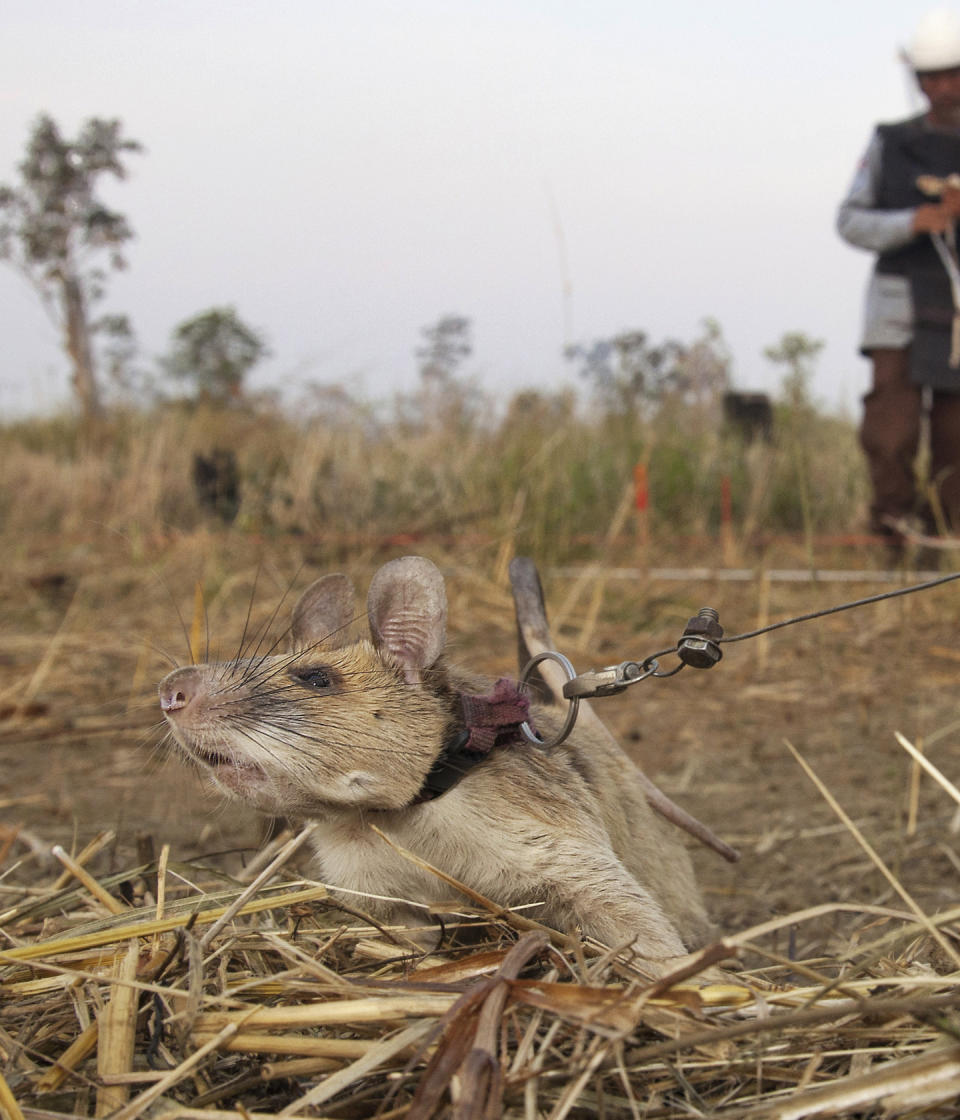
317,678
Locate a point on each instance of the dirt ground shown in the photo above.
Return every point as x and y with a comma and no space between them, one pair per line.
87,630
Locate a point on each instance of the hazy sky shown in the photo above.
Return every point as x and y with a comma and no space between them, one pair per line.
345,172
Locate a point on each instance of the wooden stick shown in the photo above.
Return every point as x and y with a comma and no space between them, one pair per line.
297,1067
913,802
383,1052
100,841
147,927
762,648
334,1012
114,905
134,1077
81,1047
307,1047
932,770
927,1079
162,880
148,1096
118,1030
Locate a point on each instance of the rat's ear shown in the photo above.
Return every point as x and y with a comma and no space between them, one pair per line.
323,614
407,607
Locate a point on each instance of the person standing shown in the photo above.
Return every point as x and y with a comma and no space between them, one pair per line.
912,321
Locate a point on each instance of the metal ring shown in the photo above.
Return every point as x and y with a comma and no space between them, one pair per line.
527,731
648,668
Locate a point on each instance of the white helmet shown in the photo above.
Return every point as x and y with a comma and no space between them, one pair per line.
936,42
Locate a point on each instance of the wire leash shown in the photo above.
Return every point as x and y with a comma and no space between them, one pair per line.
698,647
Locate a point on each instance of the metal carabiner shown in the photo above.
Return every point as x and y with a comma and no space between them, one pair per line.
608,681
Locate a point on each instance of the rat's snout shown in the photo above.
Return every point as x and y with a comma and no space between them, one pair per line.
179,688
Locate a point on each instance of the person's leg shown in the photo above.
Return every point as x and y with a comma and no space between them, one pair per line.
945,456
890,436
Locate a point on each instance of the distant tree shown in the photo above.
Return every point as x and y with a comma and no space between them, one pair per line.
798,353
215,350
123,378
701,372
59,234
446,344
445,400
628,372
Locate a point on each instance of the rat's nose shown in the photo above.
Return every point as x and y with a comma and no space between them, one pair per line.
178,688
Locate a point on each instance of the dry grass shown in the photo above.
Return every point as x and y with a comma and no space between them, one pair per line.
167,990
170,987
163,981
549,474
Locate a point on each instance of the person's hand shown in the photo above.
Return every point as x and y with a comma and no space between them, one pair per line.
935,217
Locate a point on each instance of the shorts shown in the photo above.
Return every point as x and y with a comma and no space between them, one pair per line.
888,315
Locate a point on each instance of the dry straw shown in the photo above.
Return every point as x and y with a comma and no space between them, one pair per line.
286,1006
143,993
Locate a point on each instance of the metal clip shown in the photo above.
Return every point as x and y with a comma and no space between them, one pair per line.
608,681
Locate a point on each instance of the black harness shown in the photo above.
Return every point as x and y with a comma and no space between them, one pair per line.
487,722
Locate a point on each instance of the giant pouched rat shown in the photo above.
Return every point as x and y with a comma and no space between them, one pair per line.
348,733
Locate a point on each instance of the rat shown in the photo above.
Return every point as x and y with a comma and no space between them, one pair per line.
387,731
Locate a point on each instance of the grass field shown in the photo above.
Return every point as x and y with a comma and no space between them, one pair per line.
113,571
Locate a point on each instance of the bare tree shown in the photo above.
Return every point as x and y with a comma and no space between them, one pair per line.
57,231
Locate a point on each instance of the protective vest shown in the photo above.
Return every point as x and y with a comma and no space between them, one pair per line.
910,148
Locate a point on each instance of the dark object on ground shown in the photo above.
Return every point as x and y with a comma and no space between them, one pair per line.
749,414
216,480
